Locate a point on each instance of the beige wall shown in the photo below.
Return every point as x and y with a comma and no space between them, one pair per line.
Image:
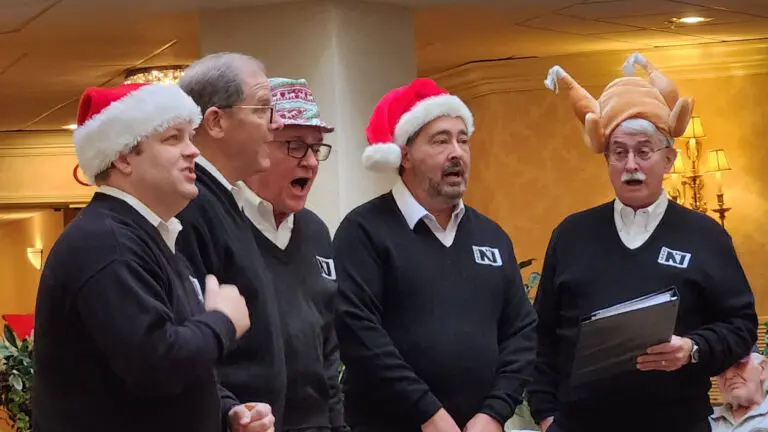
18,278
36,168
530,167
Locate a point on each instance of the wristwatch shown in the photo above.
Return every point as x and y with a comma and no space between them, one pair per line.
694,352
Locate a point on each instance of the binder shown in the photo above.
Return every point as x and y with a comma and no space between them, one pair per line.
611,339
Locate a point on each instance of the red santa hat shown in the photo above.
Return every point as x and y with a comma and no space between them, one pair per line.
401,113
111,121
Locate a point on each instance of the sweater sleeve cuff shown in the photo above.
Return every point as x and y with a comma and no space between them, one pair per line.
426,407
540,416
223,328
226,407
498,410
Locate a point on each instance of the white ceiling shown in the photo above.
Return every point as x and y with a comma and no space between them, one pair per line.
50,50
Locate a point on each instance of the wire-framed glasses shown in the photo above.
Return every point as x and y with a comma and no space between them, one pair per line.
619,155
256,107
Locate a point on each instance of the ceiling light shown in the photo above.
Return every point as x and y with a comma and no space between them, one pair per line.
690,20
70,127
159,74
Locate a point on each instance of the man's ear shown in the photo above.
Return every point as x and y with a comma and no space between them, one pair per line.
405,157
763,370
670,154
123,163
213,122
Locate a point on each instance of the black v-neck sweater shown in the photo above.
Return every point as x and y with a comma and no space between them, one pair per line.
122,341
305,284
217,239
587,267
423,326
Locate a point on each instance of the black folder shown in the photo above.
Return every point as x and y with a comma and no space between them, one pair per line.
611,339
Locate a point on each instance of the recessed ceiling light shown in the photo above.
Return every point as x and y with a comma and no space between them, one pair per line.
70,127
690,20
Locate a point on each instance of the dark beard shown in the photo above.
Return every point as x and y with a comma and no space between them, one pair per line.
436,190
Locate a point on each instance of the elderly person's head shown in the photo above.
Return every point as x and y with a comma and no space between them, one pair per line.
638,156
423,131
633,124
232,91
743,384
295,151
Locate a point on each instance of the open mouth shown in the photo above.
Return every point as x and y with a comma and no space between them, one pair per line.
300,184
633,182
454,174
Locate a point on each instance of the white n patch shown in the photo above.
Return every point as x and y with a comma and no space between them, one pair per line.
674,258
487,255
327,268
198,290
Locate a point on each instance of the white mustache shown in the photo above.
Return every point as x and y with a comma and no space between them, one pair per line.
635,175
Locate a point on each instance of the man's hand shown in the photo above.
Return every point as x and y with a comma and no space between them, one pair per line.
251,417
546,423
668,356
227,300
483,423
440,422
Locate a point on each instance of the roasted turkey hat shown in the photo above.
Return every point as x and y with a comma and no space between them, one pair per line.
655,100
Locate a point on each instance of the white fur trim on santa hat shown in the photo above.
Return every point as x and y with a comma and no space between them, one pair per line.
382,156
121,125
429,109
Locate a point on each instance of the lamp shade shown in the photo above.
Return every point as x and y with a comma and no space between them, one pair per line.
717,161
678,167
694,129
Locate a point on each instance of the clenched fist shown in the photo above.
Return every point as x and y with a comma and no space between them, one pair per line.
227,300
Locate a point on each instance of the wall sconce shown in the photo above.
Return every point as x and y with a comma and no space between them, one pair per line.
717,164
688,182
677,188
35,256
695,129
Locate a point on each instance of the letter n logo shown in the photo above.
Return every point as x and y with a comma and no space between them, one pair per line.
674,258
327,269
487,255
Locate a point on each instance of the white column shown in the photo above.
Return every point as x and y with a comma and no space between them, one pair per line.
351,53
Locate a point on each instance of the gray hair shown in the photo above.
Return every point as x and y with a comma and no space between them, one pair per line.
216,79
758,359
643,126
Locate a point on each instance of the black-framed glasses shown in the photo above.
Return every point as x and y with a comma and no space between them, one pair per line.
255,107
298,149
619,155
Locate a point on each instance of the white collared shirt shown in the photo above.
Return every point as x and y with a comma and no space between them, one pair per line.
636,226
756,420
169,230
413,212
236,191
261,214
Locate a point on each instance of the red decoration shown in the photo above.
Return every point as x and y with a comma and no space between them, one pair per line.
76,175
21,324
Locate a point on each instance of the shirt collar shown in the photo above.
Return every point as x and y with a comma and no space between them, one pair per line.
259,210
169,230
654,211
725,410
215,171
413,211
237,191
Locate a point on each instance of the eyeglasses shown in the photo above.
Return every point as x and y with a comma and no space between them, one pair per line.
298,149
255,107
619,155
